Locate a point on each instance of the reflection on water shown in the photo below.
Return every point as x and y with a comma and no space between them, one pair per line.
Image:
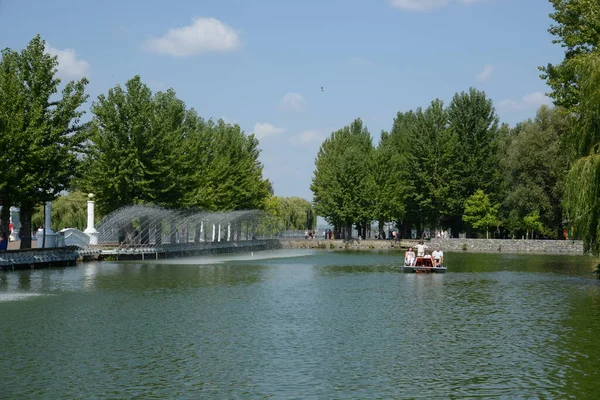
303,325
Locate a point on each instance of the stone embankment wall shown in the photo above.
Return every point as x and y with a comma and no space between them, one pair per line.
510,245
468,245
338,244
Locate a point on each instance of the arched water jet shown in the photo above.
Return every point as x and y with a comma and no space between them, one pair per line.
148,227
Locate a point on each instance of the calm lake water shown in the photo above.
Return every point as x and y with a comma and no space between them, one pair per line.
303,325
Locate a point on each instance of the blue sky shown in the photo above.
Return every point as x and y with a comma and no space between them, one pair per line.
262,63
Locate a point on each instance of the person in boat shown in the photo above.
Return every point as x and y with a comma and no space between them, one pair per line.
438,257
409,257
421,249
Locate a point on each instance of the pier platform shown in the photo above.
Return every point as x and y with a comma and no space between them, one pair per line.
16,259
11,260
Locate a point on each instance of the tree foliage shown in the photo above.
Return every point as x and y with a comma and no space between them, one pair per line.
343,182
433,160
40,130
535,163
577,30
226,173
390,179
133,155
68,211
432,150
449,152
472,118
582,199
532,223
151,149
480,213
291,213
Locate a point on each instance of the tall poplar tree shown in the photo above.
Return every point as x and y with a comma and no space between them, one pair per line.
472,118
135,154
343,183
391,180
41,131
226,172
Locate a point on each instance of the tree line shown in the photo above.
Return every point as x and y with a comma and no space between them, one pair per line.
449,166
138,147
575,84
457,167
446,167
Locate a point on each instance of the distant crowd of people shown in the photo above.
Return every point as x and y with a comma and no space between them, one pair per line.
330,234
312,234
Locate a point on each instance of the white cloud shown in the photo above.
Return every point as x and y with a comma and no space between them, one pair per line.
262,130
426,5
485,73
293,101
202,36
69,67
531,100
307,137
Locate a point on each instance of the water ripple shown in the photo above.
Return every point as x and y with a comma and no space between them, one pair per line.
318,326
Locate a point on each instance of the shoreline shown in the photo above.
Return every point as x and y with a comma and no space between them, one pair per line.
508,246
68,256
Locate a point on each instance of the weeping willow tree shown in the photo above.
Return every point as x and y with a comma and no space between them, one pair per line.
582,195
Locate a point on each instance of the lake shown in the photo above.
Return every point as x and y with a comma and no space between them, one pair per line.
303,325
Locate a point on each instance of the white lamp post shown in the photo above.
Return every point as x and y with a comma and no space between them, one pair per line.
90,230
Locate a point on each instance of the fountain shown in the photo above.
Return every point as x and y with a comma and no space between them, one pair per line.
149,230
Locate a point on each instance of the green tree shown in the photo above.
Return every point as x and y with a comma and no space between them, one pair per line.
480,213
343,183
124,160
170,176
9,108
433,149
291,213
68,211
472,118
582,187
403,182
577,30
535,163
391,180
41,128
226,171
532,223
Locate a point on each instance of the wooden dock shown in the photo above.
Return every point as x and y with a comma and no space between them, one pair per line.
11,260
150,252
16,259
